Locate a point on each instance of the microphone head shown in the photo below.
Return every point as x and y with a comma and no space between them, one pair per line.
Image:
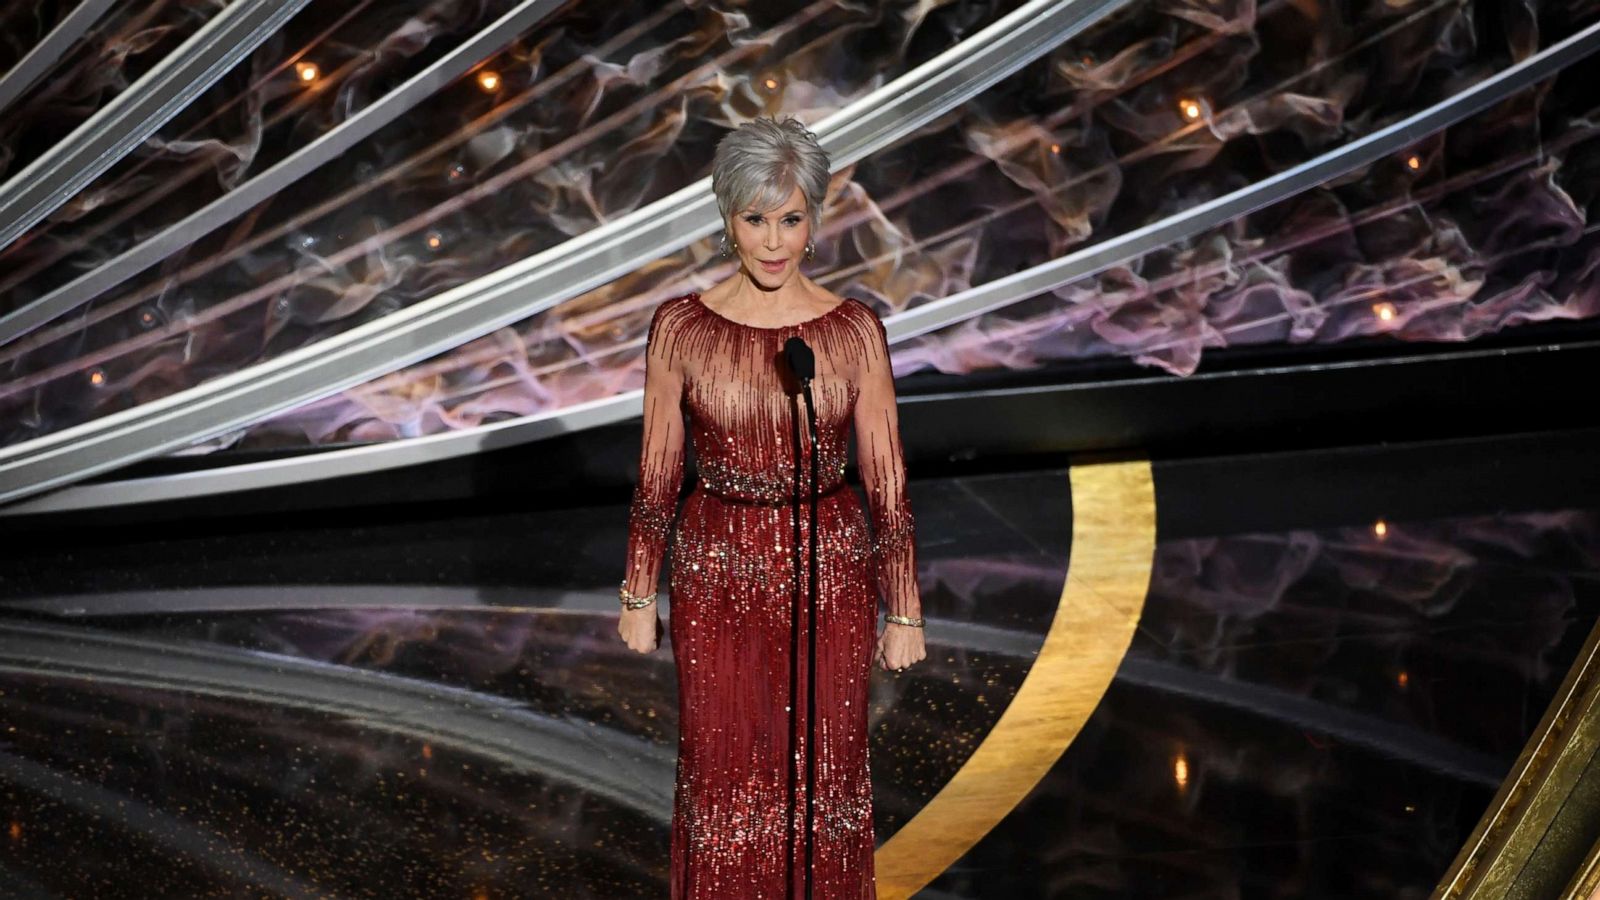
802,362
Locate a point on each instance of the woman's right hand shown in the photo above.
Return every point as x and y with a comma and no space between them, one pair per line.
640,628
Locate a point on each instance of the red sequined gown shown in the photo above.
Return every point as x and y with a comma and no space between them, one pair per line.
733,578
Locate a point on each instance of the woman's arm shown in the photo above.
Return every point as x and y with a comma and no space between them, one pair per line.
655,498
883,473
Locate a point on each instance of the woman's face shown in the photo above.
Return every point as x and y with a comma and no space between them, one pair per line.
773,241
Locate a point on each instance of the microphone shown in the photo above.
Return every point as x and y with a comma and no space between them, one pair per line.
802,362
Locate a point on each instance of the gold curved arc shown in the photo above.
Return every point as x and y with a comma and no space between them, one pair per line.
1102,597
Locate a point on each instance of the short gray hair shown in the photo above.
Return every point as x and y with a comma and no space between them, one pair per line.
761,162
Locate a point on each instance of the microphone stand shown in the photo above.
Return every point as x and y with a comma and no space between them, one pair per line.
811,652
811,641
794,662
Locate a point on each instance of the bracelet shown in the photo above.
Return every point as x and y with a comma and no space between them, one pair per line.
905,620
630,600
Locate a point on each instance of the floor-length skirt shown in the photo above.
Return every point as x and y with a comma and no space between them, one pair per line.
733,573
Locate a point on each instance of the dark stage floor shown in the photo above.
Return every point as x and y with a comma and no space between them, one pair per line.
1338,658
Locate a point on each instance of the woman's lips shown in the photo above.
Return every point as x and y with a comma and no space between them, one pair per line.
774,266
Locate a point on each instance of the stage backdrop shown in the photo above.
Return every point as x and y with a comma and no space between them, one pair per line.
598,109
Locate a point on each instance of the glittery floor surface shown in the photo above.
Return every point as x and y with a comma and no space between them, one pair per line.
1340,655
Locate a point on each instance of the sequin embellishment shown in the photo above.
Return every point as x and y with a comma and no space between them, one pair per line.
735,576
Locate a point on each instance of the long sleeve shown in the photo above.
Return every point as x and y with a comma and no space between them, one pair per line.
655,498
883,474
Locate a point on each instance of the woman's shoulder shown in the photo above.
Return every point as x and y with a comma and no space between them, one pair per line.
670,310
681,301
851,306
863,316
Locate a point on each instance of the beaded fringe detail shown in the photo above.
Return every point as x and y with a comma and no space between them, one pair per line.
739,574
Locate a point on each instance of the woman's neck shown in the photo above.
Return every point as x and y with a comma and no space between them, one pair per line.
742,294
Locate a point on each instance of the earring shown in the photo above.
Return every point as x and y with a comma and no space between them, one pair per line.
723,247
811,249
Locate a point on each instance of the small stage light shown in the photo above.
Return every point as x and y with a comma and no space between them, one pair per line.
435,240
97,376
1415,162
308,71
1385,311
1180,771
1056,149
1380,528
489,81
772,84
1191,108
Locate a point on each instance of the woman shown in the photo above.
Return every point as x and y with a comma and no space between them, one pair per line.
741,565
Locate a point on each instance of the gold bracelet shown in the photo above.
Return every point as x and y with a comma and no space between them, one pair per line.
630,600
905,620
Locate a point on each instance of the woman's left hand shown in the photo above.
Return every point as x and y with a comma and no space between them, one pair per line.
900,646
